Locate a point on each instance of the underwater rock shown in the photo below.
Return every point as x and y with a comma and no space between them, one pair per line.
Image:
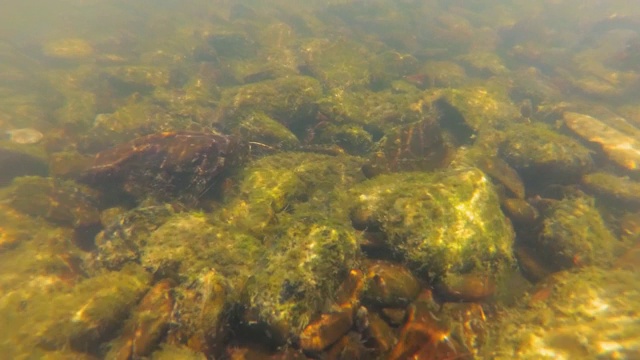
59,201
389,285
502,173
189,243
375,111
173,351
572,315
80,317
615,188
24,136
621,147
199,318
574,235
465,287
16,163
305,263
290,100
535,150
274,185
474,108
125,232
438,223
419,146
327,329
67,49
260,128
341,64
425,336
165,165
520,211
147,325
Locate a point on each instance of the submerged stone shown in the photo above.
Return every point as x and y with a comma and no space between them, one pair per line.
62,202
16,163
614,188
574,234
541,155
303,268
438,223
24,136
621,147
165,165
587,314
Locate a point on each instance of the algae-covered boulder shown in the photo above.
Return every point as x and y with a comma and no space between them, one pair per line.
16,163
374,111
535,149
438,223
189,243
79,317
616,189
59,201
125,233
277,184
480,107
305,264
259,127
574,234
589,314
338,64
289,100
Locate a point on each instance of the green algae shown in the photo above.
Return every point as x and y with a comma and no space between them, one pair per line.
574,234
438,223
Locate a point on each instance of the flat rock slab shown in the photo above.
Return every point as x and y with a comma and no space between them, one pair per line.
621,148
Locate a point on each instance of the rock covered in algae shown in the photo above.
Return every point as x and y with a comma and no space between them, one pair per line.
376,112
16,163
574,234
125,233
147,325
338,64
621,146
480,107
305,265
589,314
419,146
188,243
133,119
59,201
201,311
276,184
289,100
439,223
259,127
79,317
612,187
535,150
173,352
68,49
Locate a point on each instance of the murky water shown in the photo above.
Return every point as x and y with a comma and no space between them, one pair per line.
322,179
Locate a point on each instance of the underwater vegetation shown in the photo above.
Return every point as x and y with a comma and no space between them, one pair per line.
327,180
